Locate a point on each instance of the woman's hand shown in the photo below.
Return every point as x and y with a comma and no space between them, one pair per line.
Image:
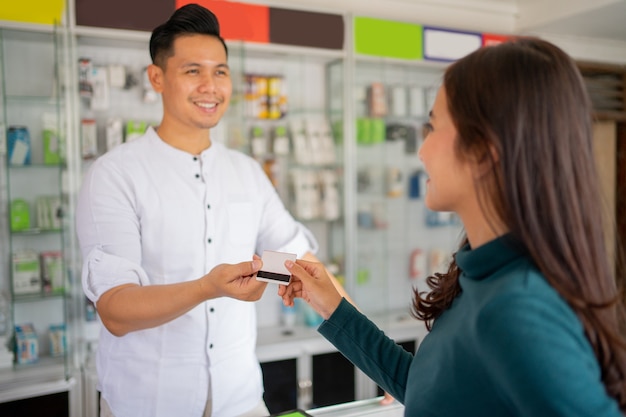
311,282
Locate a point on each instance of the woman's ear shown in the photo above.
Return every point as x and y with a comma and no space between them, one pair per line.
155,75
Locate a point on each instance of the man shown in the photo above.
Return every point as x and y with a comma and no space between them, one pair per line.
164,223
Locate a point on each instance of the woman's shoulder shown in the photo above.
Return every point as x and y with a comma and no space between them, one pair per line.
525,296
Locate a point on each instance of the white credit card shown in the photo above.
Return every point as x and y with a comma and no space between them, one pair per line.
274,269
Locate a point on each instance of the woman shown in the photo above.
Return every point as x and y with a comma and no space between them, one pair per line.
526,320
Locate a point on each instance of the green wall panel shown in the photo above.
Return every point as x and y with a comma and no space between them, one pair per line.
386,38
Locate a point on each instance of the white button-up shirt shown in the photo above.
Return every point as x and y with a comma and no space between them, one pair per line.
150,214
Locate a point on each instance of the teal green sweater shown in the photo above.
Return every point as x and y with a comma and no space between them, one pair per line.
509,345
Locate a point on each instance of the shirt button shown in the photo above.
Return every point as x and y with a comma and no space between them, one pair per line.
209,240
211,309
208,206
197,175
211,346
195,158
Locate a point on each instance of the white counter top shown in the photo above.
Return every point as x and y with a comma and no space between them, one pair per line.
371,408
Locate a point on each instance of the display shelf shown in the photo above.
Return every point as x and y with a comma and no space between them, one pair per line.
33,197
47,378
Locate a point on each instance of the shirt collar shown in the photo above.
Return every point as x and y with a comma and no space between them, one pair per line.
486,259
176,155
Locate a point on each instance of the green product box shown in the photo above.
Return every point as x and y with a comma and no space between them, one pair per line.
377,131
134,129
51,148
363,130
20,215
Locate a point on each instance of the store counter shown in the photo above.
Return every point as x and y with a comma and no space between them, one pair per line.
369,408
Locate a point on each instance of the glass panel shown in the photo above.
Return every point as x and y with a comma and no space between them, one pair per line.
399,242
283,115
32,202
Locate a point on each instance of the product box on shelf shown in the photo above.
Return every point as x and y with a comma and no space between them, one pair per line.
51,140
58,342
20,215
48,210
18,139
26,343
6,356
52,271
26,272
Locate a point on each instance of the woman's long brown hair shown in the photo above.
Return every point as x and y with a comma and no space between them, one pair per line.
526,99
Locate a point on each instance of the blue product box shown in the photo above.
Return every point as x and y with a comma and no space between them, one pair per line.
18,140
27,344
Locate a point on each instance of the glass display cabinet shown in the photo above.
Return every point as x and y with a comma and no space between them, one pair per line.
395,241
280,115
36,307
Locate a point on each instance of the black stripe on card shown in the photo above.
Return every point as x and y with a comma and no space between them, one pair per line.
273,275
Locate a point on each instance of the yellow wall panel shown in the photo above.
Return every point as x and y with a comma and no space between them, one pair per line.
33,11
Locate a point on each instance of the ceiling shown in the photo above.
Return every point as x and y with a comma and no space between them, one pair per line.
604,19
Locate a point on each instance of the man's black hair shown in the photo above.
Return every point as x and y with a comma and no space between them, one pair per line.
191,19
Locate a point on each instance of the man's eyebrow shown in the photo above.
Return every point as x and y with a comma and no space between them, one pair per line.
196,64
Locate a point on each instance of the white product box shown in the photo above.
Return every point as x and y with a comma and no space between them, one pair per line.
26,272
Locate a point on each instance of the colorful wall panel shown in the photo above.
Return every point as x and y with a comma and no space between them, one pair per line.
493,39
449,45
238,21
317,30
143,15
387,38
33,11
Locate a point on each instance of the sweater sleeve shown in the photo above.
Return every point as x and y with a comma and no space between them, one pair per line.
367,347
539,358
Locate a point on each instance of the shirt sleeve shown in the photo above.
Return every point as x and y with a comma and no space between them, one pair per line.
367,347
537,354
102,271
108,231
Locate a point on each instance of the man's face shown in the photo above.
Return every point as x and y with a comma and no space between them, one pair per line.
195,85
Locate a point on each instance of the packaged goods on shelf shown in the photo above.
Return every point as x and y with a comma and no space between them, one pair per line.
85,86
48,210
27,344
89,138
52,271
114,132
18,138
58,343
100,82
26,272
134,129
265,96
51,140
20,215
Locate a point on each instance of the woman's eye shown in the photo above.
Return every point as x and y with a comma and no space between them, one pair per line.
427,128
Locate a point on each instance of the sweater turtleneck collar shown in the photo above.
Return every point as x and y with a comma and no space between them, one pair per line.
486,259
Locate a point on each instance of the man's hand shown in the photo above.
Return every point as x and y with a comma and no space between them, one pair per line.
236,280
